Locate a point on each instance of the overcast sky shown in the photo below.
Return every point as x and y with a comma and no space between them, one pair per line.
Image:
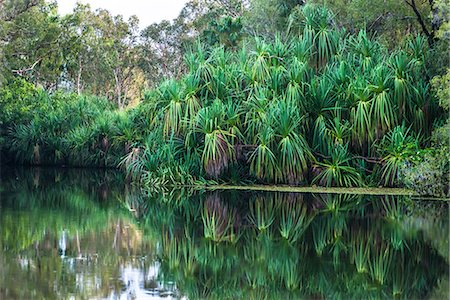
148,11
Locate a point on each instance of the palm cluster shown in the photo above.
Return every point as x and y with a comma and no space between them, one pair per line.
68,129
316,106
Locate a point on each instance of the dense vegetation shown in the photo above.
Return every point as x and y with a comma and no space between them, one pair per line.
303,101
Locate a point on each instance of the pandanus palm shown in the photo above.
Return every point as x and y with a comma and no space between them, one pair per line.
338,171
219,84
256,117
295,92
218,151
366,50
420,107
199,63
26,140
382,110
340,77
277,78
326,43
278,51
320,105
417,49
263,161
191,99
293,150
338,130
360,113
171,95
296,75
260,67
233,122
318,33
301,50
298,70
396,147
402,88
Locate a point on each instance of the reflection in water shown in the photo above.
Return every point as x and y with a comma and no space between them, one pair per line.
62,243
86,234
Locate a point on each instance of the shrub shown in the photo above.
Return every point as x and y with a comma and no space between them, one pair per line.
429,174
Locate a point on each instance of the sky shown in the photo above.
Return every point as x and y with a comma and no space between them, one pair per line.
148,11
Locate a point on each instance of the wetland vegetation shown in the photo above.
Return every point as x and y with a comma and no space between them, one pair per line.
259,149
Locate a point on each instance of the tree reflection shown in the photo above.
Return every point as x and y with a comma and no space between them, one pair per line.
117,240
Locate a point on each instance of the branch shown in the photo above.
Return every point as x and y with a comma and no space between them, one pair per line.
430,36
21,71
18,9
374,160
377,19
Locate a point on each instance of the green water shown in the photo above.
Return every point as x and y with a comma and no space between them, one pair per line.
83,234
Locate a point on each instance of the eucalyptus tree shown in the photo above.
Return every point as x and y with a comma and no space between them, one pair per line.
102,53
162,47
30,42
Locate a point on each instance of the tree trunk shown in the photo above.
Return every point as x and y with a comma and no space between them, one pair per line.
80,68
429,34
118,89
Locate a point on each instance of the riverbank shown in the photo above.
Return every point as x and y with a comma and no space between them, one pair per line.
326,190
317,189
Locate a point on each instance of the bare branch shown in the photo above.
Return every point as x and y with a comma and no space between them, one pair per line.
22,71
430,35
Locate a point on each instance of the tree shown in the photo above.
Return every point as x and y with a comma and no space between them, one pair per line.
227,31
101,53
267,17
86,51
162,48
163,45
30,42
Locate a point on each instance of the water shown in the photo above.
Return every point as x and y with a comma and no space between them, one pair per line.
83,234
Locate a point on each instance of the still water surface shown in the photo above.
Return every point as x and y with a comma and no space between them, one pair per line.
83,234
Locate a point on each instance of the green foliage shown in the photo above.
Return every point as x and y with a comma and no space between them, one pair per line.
227,31
318,105
18,100
390,19
440,85
398,146
271,106
428,172
337,171
84,51
94,134
266,17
